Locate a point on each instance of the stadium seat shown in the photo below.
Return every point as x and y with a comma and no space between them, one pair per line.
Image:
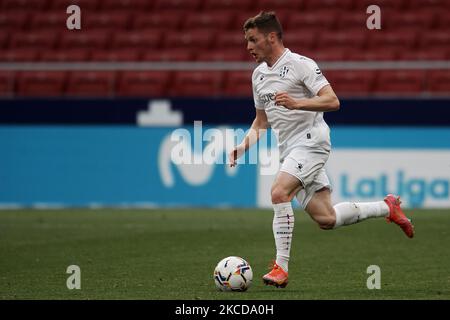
399,82
109,21
163,55
438,81
197,83
3,39
415,20
54,21
332,4
350,82
84,40
125,5
124,54
41,83
144,83
87,5
427,4
330,40
238,84
352,20
223,5
181,5
33,40
238,54
405,39
13,21
6,83
436,40
65,55
270,5
299,41
33,5
337,54
91,84
19,55
385,4
315,21
156,20
136,39
374,54
423,54
235,40
194,39
217,20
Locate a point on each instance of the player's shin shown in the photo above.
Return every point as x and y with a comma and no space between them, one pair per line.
352,212
283,227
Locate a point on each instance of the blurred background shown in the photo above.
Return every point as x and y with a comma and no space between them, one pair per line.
86,115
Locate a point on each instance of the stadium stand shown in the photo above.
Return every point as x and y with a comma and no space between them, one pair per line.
211,31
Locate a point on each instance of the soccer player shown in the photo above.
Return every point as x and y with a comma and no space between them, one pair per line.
291,94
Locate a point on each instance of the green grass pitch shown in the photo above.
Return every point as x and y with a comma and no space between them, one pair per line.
171,254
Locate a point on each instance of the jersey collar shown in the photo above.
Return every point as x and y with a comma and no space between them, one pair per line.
286,50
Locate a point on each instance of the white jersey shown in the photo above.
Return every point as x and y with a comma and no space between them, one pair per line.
301,78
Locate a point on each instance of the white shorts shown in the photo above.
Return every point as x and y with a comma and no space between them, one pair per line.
307,165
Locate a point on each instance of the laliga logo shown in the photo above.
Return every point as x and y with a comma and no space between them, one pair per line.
196,160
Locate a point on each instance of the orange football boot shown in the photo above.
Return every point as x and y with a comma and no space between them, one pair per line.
276,277
397,216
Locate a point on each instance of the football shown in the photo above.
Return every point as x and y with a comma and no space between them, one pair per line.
233,274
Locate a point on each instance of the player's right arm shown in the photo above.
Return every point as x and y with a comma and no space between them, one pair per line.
258,128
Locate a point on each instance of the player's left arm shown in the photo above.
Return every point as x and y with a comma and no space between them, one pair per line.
326,100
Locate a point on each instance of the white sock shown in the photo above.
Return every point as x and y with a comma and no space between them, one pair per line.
283,226
352,212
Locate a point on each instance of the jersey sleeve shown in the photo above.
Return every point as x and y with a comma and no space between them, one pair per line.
311,76
258,104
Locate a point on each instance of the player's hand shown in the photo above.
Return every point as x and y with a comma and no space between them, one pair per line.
235,154
285,100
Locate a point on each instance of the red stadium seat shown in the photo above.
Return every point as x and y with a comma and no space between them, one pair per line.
436,40
19,55
405,39
13,21
87,5
6,83
182,5
115,55
330,40
33,40
33,5
439,81
227,39
351,83
427,4
374,54
197,83
300,41
270,5
337,54
238,5
222,55
156,20
84,40
42,83
238,84
400,82
194,39
136,40
383,4
207,20
54,21
65,55
315,21
91,83
163,55
125,5
422,54
421,20
3,39
116,21
333,4
144,83
352,20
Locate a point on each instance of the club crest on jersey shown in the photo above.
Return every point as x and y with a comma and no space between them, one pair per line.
283,71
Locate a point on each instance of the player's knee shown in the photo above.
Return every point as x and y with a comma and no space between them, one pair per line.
327,223
279,195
